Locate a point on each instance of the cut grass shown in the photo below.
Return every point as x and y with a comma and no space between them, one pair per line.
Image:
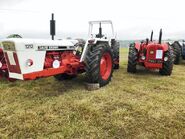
142,105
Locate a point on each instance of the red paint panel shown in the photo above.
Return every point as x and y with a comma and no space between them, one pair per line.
153,65
13,68
45,73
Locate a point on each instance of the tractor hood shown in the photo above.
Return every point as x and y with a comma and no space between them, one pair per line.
163,46
19,44
156,46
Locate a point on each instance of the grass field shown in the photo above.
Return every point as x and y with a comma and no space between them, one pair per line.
143,105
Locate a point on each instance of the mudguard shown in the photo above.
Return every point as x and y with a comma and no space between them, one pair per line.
137,45
165,47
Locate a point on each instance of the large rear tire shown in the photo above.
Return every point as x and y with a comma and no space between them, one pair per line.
132,59
177,52
99,64
167,65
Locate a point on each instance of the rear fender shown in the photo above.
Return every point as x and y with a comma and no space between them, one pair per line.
165,47
137,46
94,41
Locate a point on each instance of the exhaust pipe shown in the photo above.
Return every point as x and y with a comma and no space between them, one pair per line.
151,37
52,26
100,31
160,36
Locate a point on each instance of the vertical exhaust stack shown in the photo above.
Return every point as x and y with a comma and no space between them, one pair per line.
52,26
151,37
100,31
160,36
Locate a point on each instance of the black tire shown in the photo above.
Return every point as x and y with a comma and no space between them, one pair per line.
177,52
167,65
116,66
92,62
61,77
132,59
183,52
115,47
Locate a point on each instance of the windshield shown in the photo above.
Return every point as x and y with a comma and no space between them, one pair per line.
106,31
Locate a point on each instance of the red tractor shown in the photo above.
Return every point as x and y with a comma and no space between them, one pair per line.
152,55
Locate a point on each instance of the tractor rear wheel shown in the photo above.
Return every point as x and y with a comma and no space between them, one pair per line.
177,52
167,65
99,64
132,59
61,77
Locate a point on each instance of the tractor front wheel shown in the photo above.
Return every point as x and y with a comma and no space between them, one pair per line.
132,59
99,64
167,65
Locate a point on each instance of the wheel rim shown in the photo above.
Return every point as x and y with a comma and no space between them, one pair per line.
105,66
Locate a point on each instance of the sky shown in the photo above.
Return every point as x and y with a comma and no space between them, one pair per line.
132,19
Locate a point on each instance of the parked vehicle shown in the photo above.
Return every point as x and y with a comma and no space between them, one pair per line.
151,55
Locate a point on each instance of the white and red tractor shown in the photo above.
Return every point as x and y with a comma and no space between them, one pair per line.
28,59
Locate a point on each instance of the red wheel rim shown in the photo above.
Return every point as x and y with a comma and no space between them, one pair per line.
105,66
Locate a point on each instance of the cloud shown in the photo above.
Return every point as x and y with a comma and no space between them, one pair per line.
132,19
4,3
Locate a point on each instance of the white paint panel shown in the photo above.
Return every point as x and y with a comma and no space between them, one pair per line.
16,76
38,58
20,44
159,54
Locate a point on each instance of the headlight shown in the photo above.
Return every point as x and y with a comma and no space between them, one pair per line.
143,57
151,52
8,46
165,58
